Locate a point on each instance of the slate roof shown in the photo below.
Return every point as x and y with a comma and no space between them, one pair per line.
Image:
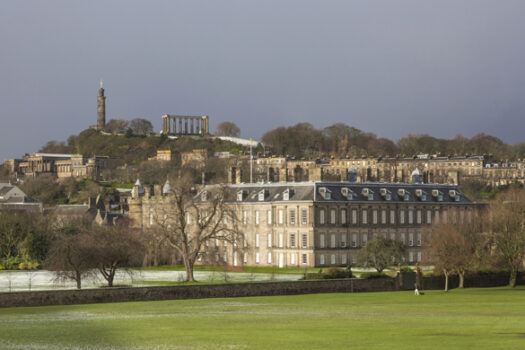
370,192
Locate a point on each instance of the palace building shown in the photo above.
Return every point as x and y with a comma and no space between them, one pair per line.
322,224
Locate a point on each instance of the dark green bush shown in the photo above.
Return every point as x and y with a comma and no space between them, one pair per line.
373,275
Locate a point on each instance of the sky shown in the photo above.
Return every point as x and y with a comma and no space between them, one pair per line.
389,67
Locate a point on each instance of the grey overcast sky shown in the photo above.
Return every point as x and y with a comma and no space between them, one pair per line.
389,67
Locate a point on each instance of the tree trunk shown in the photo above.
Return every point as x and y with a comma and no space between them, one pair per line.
110,278
78,279
512,279
461,279
446,280
189,270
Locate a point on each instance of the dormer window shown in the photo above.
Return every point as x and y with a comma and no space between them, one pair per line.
286,194
347,193
204,196
240,195
386,194
325,193
406,197
261,195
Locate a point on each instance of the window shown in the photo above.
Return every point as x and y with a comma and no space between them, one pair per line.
188,218
245,258
281,240
418,216
244,217
321,259
429,217
418,256
374,216
354,216
269,257
292,259
383,216
418,240
269,240
402,217
281,216
411,240
364,219
303,216
403,238
257,240
343,216
332,240
304,241
411,256
256,217
410,216
392,217
364,239
321,216
354,240
292,240
332,216
343,240
436,216
332,259
269,217
257,258
292,217
392,236
343,259
321,240
304,259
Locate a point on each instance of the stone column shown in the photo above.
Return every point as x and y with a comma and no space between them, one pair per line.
199,126
165,125
192,131
180,124
186,125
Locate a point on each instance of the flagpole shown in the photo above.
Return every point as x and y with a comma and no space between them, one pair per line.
251,162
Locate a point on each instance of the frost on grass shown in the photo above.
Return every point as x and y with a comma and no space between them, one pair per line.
37,346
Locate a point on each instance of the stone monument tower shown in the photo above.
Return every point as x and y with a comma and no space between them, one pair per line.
101,108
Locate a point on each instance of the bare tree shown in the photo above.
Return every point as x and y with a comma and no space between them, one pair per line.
116,126
507,228
442,250
380,253
114,247
70,253
140,126
188,220
228,129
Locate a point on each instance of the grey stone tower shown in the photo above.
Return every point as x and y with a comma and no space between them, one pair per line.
101,108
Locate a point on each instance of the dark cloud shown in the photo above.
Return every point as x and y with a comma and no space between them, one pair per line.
390,67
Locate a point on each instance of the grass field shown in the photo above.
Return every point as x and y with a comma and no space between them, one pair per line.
461,319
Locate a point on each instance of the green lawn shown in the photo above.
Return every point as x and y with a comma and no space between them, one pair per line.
462,319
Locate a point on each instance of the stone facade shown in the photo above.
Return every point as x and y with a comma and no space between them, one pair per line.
434,169
196,158
61,165
165,156
322,224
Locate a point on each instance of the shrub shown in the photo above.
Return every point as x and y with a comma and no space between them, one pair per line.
335,273
11,263
28,265
373,275
2,267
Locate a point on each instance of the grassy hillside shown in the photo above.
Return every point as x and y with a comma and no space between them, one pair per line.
134,149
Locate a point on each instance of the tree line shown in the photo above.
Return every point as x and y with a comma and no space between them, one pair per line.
340,141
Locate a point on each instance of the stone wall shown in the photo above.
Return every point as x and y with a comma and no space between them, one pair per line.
108,295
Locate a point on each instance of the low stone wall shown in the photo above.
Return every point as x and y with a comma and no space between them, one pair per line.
109,295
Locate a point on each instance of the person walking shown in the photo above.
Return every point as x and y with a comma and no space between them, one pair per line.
416,290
